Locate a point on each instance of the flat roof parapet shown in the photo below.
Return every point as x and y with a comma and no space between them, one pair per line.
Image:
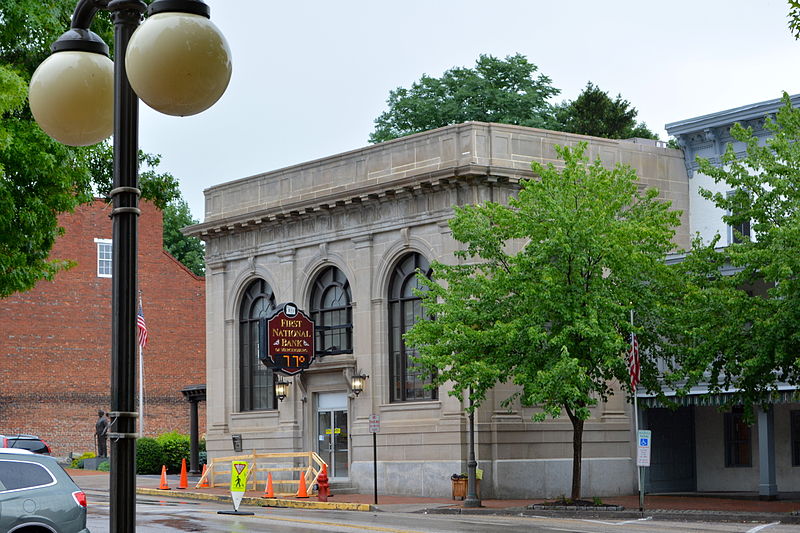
472,149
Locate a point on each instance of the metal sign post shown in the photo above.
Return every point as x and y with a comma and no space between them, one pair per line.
375,428
644,440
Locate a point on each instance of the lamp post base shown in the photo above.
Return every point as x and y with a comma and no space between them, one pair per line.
469,502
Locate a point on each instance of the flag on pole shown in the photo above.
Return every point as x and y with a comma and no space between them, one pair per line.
141,328
634,367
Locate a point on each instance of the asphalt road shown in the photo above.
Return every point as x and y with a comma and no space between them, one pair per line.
172,514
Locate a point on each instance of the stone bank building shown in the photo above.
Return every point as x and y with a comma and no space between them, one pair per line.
341,237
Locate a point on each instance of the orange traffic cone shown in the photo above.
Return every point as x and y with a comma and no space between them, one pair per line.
163,485
184,482
268,492
204,484
301,487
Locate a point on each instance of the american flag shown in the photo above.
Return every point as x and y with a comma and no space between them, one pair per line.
634,367
141,327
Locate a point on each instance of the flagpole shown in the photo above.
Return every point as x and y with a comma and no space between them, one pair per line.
636,426
141,393
139,321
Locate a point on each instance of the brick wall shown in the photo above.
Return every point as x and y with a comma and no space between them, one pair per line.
55,340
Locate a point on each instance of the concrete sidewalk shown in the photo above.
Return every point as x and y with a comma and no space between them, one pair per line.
695,507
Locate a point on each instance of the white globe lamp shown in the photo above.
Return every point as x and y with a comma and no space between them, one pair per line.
178,62
71,93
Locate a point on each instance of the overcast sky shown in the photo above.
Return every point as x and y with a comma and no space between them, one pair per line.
310,77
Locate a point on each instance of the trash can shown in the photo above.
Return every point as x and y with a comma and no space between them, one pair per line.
459,482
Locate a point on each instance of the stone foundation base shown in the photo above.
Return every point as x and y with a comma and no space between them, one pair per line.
504,479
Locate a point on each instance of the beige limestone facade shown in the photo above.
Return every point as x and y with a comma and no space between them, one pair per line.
272,237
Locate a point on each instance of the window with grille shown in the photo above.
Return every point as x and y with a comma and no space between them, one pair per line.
104,248
738,439
408,379
256,381
795,436
739,232
332,312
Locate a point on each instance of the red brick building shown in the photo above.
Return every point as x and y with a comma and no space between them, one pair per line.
55,340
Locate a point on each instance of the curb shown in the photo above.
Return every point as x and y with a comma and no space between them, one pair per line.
302,504
260,502
653,514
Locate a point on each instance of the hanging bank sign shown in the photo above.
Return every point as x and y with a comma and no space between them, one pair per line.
286,342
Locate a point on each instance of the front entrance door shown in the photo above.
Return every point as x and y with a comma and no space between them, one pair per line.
332,441
672,467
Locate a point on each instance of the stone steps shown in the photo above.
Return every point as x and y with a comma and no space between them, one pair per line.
342,487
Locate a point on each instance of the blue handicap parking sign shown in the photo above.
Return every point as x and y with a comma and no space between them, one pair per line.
642,442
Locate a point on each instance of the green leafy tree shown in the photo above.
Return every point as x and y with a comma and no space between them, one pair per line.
161,188
543,288
748,344
593,112
496,90
794,18
39,177
187,250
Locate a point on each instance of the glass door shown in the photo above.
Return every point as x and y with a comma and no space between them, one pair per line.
332,441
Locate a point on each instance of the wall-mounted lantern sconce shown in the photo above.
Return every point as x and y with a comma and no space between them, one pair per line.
237,443
282,388
357,382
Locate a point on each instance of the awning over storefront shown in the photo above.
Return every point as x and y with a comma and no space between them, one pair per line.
701,396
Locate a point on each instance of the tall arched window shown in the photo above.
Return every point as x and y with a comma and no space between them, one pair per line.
256,381
408,380
332,312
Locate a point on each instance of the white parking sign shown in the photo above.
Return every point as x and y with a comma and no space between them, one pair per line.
643,448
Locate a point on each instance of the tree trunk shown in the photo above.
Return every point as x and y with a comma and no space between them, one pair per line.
577,452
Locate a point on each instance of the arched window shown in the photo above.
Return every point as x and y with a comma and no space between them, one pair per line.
256,381
408,380
332,312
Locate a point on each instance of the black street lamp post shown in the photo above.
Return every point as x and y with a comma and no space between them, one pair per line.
180,65
472,499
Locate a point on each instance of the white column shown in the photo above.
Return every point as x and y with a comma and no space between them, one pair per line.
767,487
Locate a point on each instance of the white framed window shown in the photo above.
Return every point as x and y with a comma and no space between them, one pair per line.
103,258
740,231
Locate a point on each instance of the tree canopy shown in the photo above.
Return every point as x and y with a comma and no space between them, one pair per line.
593,112
740,343
507,91
188,250
794,18
496,90
39,177
540,294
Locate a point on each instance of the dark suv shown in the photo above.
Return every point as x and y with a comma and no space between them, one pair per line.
36,494
25,442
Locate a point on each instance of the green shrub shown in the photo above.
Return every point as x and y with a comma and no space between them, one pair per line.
174,447
105,466
149,456
78,461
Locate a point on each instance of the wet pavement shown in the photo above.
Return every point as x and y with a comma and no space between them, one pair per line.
700,506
